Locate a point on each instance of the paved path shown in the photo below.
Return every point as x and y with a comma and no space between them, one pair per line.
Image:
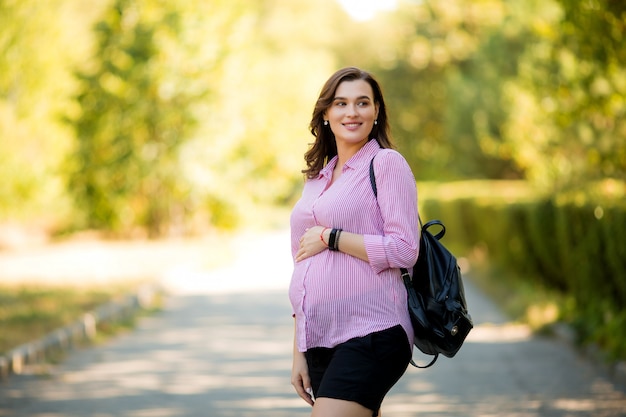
222,348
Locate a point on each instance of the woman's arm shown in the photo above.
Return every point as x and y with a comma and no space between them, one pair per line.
352,244
300,374
398,247
316,240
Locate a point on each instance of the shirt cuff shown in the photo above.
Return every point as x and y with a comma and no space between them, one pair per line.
375,249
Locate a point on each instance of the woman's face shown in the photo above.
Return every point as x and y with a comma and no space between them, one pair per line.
352,113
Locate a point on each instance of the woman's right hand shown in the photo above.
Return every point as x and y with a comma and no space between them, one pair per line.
300,377
312,242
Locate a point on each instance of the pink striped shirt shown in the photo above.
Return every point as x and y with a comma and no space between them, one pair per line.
335,296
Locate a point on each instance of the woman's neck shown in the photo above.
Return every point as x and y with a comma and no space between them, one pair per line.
347,151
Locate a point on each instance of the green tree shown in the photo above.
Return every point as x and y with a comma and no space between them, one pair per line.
504,89
443,66
443,85
476,106
134,116
568,119
38,44
248,151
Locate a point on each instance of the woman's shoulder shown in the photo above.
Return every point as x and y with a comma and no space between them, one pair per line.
389,157
391,164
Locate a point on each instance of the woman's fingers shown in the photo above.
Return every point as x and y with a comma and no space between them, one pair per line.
305,393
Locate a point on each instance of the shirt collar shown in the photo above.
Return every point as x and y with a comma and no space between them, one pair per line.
365,154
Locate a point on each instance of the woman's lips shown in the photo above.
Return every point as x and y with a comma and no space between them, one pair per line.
352,126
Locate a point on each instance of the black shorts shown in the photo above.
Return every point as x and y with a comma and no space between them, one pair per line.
362,369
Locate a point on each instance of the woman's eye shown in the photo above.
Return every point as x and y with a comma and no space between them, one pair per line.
358,103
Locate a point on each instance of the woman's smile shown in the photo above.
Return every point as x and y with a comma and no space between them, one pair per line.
352,125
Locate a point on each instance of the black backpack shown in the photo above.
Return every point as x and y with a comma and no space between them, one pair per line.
436,297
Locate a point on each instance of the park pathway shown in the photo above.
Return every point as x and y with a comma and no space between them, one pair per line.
221,347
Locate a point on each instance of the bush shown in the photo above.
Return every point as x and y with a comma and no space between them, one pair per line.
573,244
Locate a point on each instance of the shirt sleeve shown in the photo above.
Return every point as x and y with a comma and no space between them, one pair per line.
398,247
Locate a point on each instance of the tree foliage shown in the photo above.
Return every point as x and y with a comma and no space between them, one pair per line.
506,89
573,88
192,113
37,48
134,116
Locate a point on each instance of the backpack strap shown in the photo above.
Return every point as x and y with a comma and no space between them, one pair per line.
375,189
373,178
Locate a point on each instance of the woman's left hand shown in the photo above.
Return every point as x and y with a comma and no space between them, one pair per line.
311,244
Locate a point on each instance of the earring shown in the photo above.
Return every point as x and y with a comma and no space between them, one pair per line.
376,121
325,122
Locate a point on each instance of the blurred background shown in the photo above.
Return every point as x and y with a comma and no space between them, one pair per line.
156,119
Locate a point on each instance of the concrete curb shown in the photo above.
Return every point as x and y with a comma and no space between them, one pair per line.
84,329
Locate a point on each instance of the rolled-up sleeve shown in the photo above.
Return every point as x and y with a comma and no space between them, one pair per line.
398,247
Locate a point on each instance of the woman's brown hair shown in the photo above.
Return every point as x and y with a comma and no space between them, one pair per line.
325,148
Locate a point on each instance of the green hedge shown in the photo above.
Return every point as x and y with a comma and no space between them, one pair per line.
574,244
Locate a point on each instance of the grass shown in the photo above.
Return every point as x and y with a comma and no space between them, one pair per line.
28,312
